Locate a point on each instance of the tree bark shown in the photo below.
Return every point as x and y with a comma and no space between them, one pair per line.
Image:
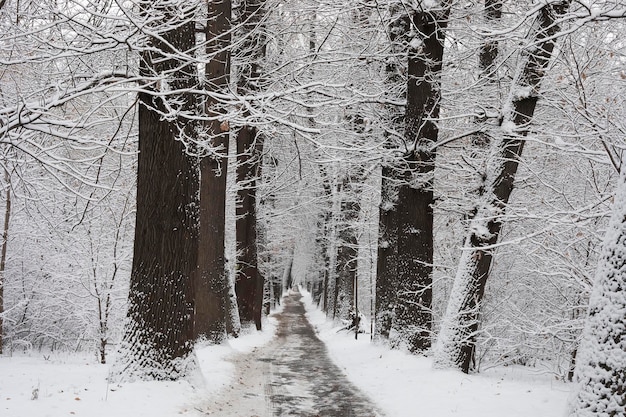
347,247
323,238
386,280
212,285
457,338
414,210
159,333
249,283
386,261
3,256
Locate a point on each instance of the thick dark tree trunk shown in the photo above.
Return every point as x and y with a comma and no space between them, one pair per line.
457,339
3,256
414,209
386,263
159,333
212,285
249,283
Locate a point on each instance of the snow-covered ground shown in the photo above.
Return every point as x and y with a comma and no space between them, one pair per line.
407,386
38,385
55,385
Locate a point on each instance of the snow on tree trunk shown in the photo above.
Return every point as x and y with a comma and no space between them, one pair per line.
412,318
457,338
159,333
601,358
386,264
405,263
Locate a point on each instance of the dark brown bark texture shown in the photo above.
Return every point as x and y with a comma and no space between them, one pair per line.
386,264
415,200
511,146
161,300
249,282
212,286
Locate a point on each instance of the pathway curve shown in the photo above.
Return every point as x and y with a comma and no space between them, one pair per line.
292,375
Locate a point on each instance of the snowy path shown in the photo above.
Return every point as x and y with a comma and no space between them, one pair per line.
291,376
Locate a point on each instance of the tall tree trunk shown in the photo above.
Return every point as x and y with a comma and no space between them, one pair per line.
386,280
347,246
457,338
249,283
159,332
322,238
600,372
414,209
212,285
386,263
3,255
332,290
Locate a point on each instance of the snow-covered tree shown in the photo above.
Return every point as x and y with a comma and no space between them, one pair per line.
409,198
600,374
456,340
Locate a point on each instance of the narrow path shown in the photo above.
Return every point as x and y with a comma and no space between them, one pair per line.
291,376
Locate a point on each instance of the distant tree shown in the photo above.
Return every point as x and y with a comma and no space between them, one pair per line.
322,240
600,374
347,244
3,251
